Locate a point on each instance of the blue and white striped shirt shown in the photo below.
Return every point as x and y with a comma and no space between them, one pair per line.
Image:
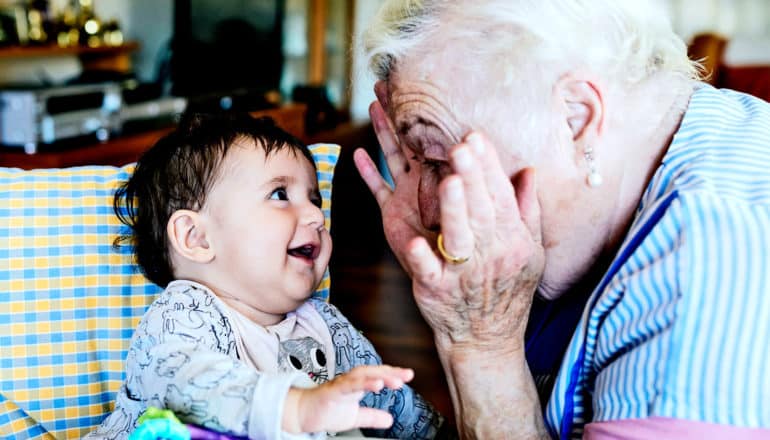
680,325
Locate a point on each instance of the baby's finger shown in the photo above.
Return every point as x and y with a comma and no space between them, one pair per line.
396,377
373,418
379,376
373,384
347,384
356,384
383,371
389,371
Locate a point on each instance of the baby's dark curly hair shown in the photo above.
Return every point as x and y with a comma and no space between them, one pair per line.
178,172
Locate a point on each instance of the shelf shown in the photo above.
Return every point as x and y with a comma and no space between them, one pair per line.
54,50
121,150
111,58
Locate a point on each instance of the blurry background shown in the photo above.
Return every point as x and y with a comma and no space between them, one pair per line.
743,18
139,60
283,50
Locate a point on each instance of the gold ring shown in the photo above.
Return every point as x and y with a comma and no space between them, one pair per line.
447,256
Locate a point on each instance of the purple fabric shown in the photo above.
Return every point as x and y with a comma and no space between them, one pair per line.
199,433
667,428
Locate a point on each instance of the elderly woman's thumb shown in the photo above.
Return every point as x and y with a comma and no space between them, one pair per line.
524,183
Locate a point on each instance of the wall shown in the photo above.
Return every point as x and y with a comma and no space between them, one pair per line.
732,18
746,24
362,81
295,49
149,22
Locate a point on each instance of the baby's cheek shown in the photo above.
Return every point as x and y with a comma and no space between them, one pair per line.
326,251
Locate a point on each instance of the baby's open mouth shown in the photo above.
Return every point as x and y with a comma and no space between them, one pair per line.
308,251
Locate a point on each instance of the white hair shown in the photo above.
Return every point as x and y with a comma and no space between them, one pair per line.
629,40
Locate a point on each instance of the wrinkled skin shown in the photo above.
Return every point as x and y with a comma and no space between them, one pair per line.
516,209
514,224
478,309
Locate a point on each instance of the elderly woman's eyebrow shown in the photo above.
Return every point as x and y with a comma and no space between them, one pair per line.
411,131
439,127
405,125
426,138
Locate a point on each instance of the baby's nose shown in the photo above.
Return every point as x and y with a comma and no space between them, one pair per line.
313,215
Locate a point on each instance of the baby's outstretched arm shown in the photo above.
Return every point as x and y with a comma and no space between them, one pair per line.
334,406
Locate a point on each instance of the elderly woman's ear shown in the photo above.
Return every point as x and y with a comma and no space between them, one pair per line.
584,107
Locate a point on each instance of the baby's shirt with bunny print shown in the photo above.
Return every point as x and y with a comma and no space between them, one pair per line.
195,355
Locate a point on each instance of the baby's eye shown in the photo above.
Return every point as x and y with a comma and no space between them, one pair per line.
279,194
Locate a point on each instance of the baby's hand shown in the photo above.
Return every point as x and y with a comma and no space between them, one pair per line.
334,406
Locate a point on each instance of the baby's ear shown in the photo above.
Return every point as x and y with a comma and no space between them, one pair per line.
187,236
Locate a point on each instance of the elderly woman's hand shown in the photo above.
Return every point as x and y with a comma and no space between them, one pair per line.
485,300
400,213
481,304
478,308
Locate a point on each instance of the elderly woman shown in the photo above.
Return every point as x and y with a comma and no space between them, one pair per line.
562,152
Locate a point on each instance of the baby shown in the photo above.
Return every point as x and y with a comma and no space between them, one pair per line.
225,213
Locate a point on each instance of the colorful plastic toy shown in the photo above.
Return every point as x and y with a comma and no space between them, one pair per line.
162,424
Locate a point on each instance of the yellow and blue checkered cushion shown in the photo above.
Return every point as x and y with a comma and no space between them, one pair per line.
69,300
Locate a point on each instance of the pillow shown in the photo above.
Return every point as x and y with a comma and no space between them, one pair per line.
70,300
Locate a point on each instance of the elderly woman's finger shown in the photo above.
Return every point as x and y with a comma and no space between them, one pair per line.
498,183
479,203
424,266
372,177
386,135
458,240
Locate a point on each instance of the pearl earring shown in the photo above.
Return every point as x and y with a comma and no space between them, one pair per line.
594,178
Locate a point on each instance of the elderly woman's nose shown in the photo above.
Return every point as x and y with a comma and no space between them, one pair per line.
427,196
